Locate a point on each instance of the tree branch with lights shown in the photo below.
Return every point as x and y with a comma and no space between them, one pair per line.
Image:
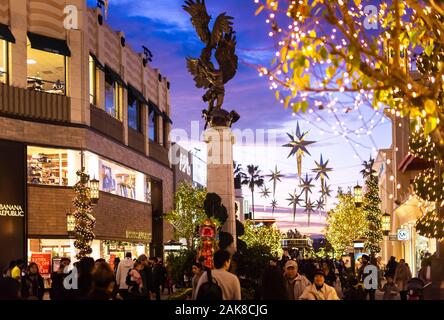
335,40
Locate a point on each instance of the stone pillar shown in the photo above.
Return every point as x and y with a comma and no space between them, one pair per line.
220,180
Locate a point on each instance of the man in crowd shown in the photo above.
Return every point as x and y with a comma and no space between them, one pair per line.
295,282
158,277
122,271
319,290
365,261
227,281
147,276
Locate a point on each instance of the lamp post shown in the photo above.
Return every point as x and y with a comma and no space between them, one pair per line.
70,224
94,187
386,223
357,190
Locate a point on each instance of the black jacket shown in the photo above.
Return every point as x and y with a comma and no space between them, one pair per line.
32,286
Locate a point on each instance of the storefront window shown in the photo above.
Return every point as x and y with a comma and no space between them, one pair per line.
148,190
112,98
3,61
46,71
92,81
56,167
134,107
122,181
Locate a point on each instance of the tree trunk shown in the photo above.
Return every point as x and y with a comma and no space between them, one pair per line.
252,203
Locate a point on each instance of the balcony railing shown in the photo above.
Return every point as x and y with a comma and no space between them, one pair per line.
33,104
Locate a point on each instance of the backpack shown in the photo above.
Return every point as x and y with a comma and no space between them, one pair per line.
128,280
209,290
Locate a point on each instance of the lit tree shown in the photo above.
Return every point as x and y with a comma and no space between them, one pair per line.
262,236
253,179
349,46
373,233
84,220
345,223
188,214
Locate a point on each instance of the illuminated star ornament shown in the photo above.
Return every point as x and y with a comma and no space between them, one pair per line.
295,200
321,171
326,193
320,205
275,176
309,208
298,146
265,192
306,187
273,205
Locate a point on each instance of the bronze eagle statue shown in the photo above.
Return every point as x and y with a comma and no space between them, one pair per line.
222,39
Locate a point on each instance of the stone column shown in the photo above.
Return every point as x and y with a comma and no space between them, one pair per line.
220,180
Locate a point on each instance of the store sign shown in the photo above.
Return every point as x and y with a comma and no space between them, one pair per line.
403,234
11,210
12,202
139,235
184,163
393,237
43,261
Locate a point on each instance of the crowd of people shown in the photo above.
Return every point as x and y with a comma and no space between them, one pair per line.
88,279
146,278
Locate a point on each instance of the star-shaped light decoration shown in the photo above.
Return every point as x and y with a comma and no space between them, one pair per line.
309,208
273,205
265,192
321,171
275,176
306,185
295,200
326,192
298,146
368,168
320,205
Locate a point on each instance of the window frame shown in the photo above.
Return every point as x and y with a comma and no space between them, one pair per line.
138,107
6,62
93,81
155,126
117,104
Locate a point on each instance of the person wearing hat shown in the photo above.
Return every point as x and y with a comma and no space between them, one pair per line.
319,290
294,282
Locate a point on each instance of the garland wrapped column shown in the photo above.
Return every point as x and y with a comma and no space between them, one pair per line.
84,221
373,234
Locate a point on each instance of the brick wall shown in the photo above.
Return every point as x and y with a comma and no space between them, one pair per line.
47,208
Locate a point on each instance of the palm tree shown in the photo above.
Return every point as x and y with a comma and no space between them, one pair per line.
252,179
238,174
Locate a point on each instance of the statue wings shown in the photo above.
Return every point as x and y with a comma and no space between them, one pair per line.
200,72
199,18
226,56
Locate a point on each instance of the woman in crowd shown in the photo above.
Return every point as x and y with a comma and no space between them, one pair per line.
402,276
32,283
103,282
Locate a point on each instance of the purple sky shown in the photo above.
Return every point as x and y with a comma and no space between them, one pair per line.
166,30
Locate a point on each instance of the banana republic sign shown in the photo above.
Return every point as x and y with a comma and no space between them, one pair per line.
12,202
7,210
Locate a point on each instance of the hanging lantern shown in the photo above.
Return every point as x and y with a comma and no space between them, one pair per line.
386,223
94,187
70,224
358,195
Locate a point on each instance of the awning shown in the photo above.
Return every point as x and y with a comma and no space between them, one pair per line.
165,116
152,107
137,94
6,34
49,44
99,65
412,163
114,76
408,212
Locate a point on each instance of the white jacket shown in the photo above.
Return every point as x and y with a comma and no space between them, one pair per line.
326,293
301,283
122,271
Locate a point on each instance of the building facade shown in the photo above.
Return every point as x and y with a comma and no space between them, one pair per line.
396,169
73,93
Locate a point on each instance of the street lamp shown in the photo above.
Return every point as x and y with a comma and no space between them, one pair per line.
70,224
386,223
358,195
94,187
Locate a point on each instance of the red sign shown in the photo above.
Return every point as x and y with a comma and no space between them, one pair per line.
112,257
43,261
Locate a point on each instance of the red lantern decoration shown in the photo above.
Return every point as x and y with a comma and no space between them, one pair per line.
208,235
